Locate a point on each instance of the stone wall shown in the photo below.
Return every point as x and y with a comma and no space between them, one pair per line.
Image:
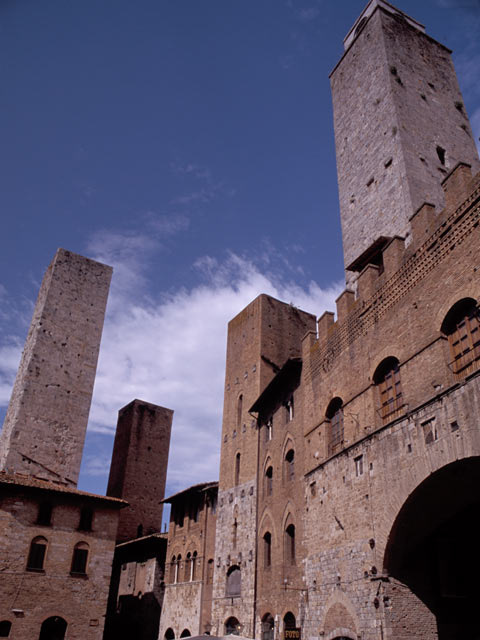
47,417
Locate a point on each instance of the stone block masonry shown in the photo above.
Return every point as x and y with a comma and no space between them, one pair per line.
46,421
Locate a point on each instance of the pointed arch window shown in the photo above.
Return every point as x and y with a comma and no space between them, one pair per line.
193,573
290,465
334,414
239,410
269,481
462,328
188,567
290,544
237,469
173,570
234,581
267,550
387,379
80,559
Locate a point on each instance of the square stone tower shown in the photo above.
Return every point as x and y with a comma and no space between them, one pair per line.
46,421
261,338
139,467
400,127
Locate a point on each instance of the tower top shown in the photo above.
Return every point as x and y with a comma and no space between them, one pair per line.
368,11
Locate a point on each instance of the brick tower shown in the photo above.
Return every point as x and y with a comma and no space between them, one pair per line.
139,467
46,421
400,127
260,340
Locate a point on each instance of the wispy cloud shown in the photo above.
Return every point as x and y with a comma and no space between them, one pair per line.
171,351
204,189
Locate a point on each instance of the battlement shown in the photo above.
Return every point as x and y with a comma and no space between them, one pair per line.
381,287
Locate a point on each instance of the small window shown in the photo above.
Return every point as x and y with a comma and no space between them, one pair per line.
193,575
289,621
210,571
185,634
289,410
269,430
36,556
430,433
54,627
239,410
188,567
336,432
80,558
269,481
234,581
178,567
267,549
358,466
86,519
234,533
5,626
441,155
169,634
44,516
237,469
387,379
290,544
290,465
173,570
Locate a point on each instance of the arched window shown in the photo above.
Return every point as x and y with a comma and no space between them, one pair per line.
36,555
232,627
462,327
210,571
194,566
267,549
290,465
269,481
5,626
140,531
53,627
169,634
234,533
234,581
268,626
239,411
237,469
173,570
334,413
387,379
44,516
178,568
185,634
289,409
80,558
188,567
86,519
290,544
289,621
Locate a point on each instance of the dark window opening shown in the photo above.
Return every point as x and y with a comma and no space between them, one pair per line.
188,567
234,533
193,574
268,626
237,469
36,556
80,558
289,621
86,519
290,465
290,544
169,634
269,481
44,516
239,410
53,628
336,435
5,626
185,634
267,549
140,531
441,155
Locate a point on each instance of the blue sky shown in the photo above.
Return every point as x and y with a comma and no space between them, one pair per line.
188,143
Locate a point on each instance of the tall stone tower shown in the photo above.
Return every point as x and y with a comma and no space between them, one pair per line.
139,467
260,339
46,421
400,127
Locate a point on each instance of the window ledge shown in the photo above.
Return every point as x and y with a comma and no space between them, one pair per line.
75,574
33,570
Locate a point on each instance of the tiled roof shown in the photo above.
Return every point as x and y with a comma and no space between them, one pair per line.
196,488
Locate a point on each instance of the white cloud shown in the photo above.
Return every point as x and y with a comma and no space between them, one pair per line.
171,352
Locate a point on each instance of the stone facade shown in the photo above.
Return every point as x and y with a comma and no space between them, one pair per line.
139,467
190,558
51,583
47,417
400,127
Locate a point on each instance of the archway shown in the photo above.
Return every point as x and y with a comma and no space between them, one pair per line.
185,633
433,550
268,625
232,627
53,628
169,634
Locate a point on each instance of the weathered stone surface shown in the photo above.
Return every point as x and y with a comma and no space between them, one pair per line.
47,417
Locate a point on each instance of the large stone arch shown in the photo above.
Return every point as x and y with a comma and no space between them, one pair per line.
340,619
432,555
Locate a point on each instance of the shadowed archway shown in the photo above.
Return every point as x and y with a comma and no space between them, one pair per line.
433,550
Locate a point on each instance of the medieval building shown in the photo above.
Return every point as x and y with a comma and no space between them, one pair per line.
350,452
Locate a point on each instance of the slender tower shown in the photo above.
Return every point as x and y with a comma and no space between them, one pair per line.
400,127
46,421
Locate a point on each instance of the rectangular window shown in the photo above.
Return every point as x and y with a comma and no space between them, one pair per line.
358,466
430,431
